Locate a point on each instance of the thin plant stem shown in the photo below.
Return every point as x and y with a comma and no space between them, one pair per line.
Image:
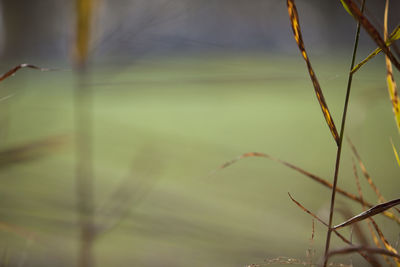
84,129
339,150
84,169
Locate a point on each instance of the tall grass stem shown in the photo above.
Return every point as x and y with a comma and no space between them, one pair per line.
339,150
84,169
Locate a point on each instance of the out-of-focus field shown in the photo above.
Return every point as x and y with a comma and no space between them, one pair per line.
161,126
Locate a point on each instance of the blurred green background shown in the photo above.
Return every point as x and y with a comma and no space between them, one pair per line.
163,123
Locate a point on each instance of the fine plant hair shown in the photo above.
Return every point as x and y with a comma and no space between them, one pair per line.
383,207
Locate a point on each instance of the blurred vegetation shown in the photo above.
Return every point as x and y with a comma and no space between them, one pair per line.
160,128
163,93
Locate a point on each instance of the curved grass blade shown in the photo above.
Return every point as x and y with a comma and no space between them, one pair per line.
368,177
21,66
365,173
308,174
346,7
369,213
396,109
392,87
395,153
371,221
374,34
384,241
357,249
307,211
395,35
345,240
294,19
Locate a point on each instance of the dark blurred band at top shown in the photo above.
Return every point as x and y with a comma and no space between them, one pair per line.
127,28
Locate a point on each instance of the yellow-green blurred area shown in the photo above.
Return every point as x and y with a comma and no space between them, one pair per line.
162,126
173,89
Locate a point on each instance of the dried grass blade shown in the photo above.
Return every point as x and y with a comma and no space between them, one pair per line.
392,87
367,25
384,241
358,249
369,213
307,211
395,153
365,173
393,37
21,66
367,176
308,174
345,240
370,220
294,19
294,167
376,240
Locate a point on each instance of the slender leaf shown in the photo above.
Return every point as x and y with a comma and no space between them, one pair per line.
346,7
396,109
370,220
384,241
365,173
308,174
392,87
367,176
371,30
369,213
345,240
294,19
21,66
395,153
395,35
357,249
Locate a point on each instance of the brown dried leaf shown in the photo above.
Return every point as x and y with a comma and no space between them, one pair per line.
358,249
308,174
370,221
366,257
392,87
374,34
367,176
369,213
294,19
393,37
21,66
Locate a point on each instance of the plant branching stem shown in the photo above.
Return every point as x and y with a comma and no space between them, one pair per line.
339,150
